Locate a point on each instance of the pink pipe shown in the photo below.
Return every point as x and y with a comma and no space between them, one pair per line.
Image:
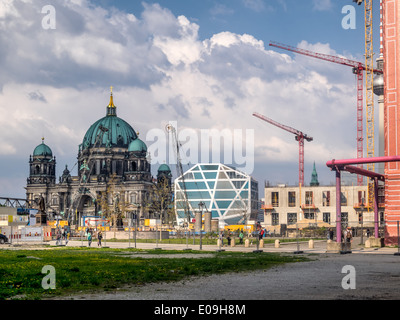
362,161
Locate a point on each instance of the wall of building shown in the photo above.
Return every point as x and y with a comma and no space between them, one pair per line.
318,207
391,25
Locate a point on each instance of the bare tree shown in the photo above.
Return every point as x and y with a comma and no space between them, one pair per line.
160,201
112,202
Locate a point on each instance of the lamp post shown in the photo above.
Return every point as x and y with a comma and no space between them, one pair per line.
201,205
361,219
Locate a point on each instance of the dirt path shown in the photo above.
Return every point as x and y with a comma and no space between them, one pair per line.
377,276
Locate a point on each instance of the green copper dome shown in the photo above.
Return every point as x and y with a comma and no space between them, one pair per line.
42,150
137,146
164,168
110,131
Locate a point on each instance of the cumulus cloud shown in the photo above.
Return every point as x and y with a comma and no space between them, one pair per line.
58,80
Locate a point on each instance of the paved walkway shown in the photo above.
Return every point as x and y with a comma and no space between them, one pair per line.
285,247
376,276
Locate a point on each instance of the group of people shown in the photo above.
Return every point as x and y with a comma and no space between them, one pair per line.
89,233
61,234
347,234
261,233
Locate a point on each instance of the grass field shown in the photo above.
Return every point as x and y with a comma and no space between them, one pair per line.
92,269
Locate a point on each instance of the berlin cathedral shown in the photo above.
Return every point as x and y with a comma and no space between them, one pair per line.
113,171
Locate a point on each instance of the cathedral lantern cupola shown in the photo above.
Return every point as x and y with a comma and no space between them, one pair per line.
42,165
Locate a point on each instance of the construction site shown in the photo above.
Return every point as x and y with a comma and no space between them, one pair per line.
374,202
114,188
221,207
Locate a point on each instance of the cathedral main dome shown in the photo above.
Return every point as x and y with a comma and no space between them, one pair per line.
109,131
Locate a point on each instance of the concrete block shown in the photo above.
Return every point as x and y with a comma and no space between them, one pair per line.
261,244
247,243
233,242
277,244
335,247
367,243
311,244
376,242
219,243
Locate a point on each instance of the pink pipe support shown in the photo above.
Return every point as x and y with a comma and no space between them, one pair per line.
339,165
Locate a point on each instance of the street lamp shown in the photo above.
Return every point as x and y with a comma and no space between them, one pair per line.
201,205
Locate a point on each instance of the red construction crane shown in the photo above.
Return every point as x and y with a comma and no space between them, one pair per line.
300,137
358,70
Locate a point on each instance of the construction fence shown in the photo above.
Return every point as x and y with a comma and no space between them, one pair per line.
17,235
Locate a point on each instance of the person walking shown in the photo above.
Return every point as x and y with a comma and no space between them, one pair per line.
330,234
58,235
241,237
99,237
221,238
64,236
89,238
348,235
260,234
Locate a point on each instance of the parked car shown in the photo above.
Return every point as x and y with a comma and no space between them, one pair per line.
3,239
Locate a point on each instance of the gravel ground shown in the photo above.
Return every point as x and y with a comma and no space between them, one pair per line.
377,276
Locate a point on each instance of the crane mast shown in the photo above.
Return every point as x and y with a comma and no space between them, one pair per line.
369,97
369,83
180,173
300,137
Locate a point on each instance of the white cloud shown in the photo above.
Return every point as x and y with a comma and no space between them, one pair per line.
322,5
58,83
256,5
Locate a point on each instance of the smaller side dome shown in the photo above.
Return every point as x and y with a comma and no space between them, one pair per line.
137,145
42,150
164,168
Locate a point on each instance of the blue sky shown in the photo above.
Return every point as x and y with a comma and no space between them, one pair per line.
286,21
205,64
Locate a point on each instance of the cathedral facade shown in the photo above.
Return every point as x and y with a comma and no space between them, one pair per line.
114,176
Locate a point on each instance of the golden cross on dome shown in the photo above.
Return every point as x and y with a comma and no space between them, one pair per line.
111,104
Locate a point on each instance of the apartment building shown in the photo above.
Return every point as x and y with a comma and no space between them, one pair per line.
291,205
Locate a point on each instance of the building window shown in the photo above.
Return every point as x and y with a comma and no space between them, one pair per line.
345,219
54,201
292,198
361,198
309,215
291,218
326,216
382,217
343,199
309,197
275,199
275,218
326,198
